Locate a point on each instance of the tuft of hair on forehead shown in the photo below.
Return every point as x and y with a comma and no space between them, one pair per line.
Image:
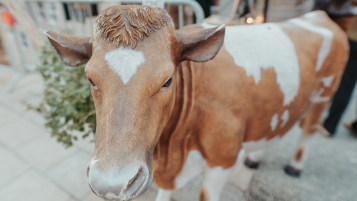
127,25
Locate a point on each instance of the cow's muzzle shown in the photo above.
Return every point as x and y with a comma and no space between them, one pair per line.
118,184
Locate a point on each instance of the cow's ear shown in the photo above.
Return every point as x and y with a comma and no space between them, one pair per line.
73,50
201,45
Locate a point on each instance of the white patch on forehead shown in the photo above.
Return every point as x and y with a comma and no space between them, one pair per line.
326,43
327,81
260,144
194,166
124,62
274,122
256,47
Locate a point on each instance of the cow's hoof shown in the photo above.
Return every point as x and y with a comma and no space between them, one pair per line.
292,171
251,164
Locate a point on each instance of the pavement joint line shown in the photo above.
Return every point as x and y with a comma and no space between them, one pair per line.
15,178
35,169
24,117
17,113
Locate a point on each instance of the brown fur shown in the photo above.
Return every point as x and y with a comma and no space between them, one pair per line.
126,26
203,195
298,155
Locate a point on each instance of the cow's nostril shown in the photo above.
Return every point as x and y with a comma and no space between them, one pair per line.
88,168
92,189
137,182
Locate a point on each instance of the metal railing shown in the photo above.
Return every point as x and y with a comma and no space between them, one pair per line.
47,8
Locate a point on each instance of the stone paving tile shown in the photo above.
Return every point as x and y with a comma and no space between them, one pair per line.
45,152
19,132
32,187
10,166
70,174
92,197
147,196
6,117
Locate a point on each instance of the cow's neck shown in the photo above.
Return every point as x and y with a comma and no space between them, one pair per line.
169,153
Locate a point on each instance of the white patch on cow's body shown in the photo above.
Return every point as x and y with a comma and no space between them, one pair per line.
327,81
262,47
285,118
163,195
194,166
260,144
124,62
311,15
215,179
256,156
317,98
326,43
274,122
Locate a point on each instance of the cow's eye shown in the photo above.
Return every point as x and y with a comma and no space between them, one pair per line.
91,82
168,82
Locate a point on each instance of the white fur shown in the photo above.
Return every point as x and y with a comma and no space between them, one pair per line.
163,195
326,43
311,15
274,122
317,98
285,118
194,166
215,179
262,47
124,62
327,81
257,155
260,144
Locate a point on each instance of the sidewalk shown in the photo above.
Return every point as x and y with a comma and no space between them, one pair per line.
34,167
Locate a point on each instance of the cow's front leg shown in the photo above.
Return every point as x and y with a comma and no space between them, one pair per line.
163,195
253,158
213,183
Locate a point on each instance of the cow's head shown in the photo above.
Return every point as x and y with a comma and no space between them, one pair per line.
132,58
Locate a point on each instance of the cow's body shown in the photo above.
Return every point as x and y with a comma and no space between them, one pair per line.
250,94
158,111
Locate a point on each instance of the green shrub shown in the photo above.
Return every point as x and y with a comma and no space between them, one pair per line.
67,104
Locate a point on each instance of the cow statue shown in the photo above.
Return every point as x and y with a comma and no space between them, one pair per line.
172,104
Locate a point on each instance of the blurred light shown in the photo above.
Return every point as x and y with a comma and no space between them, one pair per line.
249,20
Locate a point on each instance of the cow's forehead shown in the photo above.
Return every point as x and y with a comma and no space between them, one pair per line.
153,56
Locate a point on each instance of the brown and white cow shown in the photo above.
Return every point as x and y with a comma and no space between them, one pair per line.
163,115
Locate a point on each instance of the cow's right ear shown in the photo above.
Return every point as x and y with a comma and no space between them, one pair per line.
73,50
200,45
